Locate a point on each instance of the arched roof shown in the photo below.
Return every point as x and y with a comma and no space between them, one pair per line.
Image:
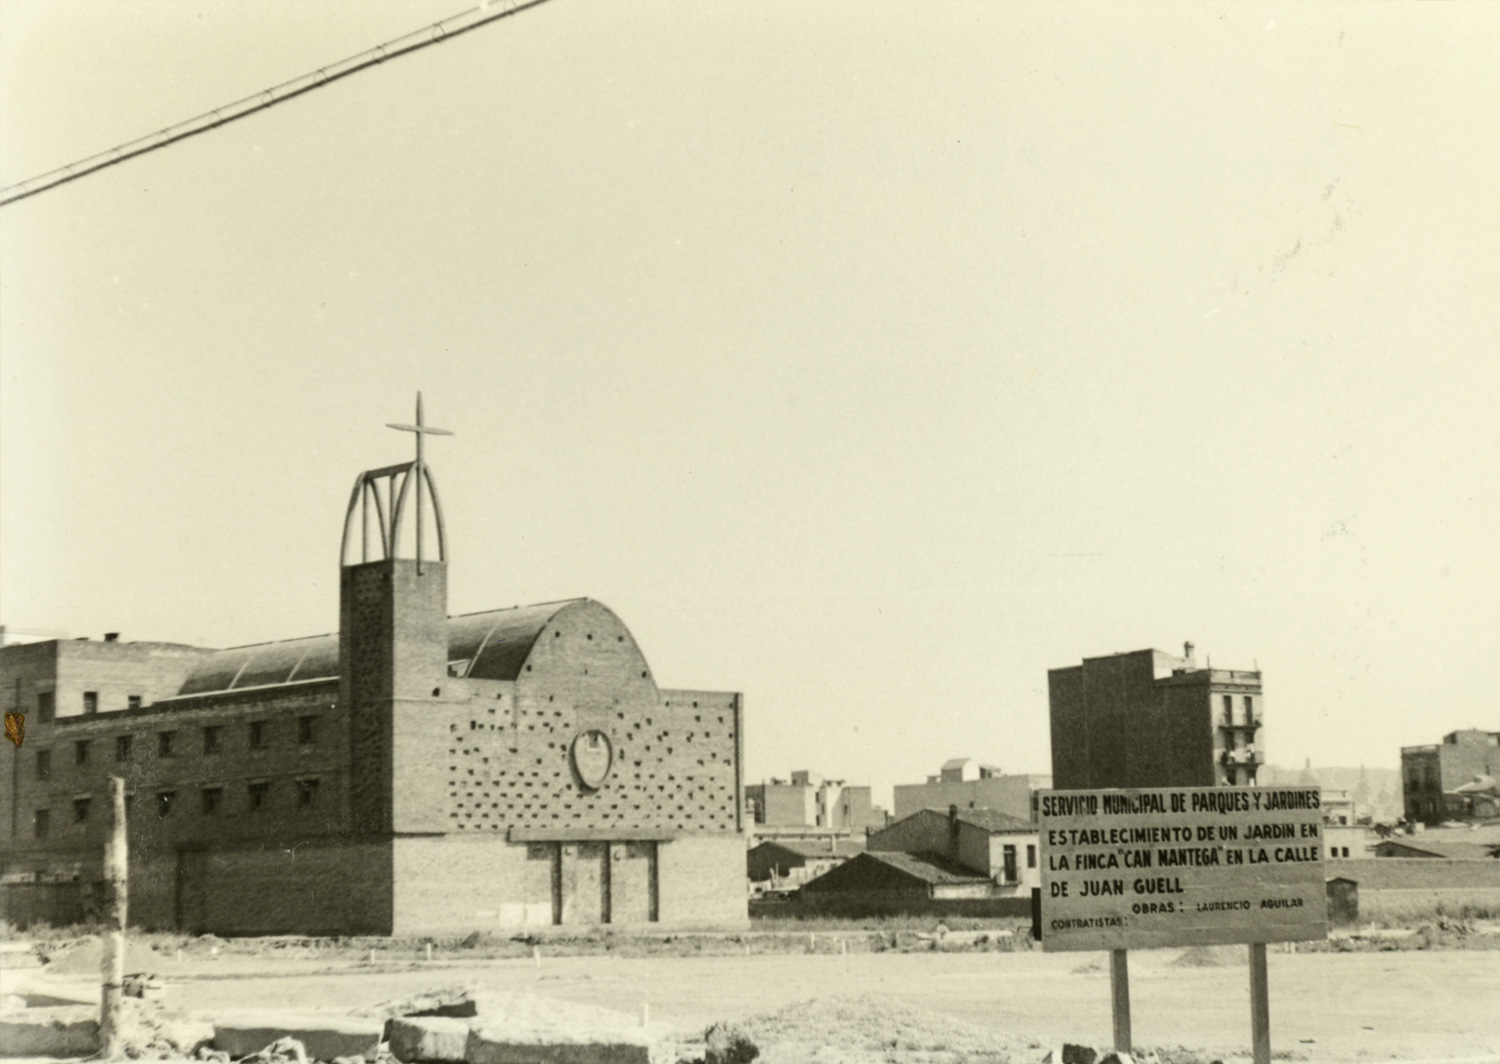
492,645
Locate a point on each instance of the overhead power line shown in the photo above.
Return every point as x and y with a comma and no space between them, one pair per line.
436,33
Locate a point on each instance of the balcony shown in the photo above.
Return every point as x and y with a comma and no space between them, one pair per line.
1248,756
1250,725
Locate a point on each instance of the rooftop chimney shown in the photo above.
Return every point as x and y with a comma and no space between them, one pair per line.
111,637
1187,651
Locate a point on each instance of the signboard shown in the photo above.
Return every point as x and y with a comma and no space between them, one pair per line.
1180,866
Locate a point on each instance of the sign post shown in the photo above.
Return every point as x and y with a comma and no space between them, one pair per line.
1119,997
1182,866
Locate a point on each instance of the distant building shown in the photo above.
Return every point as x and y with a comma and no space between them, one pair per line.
1446,780
1148,719
1338,807
808,800
971,784
888,878
1000,847
788,863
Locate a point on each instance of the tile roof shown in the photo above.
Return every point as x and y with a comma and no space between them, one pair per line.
996,822
929,867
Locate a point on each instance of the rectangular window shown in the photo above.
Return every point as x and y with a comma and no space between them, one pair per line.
91,701
41,820
122,747
213,797
164,802
1229,709
81,810
44,764
81,752
211,739
1031,856
259,792
307,794
257,735
1010,864
46,706
1249,709
307,729
164,742
133,702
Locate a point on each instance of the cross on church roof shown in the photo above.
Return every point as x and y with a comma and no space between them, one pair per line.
419,428
419,469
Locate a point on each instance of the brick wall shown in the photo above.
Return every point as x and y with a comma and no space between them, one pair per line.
321,887
703,882
261,784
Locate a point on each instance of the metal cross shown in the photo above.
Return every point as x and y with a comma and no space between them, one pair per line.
419,468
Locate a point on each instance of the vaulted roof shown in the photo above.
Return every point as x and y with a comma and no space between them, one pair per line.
491,645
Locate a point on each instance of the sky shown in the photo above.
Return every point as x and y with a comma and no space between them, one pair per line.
870,360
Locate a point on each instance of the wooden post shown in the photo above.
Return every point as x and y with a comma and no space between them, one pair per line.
112,965
1119,992
1260,1004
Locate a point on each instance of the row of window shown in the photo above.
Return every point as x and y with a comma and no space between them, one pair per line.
211,800
46,704
166,743
1249,717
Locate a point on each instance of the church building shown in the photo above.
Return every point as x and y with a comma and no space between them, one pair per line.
414,773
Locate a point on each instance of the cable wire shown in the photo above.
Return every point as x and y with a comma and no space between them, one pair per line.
444,30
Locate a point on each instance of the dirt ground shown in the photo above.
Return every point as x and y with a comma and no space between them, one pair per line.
1429,1005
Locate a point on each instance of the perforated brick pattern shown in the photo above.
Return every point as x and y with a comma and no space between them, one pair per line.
673,769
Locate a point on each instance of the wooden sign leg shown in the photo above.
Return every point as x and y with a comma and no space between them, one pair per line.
111,1042
1260,1004
1119,992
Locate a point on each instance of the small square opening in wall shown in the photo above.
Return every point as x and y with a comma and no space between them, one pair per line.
213,799
81,810
260,793
81,752
165,800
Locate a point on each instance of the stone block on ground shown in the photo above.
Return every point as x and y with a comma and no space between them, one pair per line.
427,1038
501,1047
71,1031
524,1029
324,1036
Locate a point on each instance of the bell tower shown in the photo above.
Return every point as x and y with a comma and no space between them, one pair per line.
393,643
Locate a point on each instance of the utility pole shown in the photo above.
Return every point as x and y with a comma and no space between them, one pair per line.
112,967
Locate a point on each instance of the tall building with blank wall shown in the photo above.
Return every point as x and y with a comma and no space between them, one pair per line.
1145,718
